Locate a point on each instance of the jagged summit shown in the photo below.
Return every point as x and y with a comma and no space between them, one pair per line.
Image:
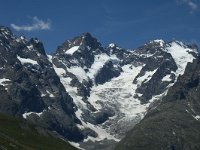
5,29
37,45
86,35
158,41
83,42
6,33
112,45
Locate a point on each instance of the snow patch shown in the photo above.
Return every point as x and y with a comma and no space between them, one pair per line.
166,78
50,58
4,81
72,50
27,60
60,71
99,62
197,117
30,47
161,42
26,114
146,77
111,45
43,95
50,94
77,145
79,72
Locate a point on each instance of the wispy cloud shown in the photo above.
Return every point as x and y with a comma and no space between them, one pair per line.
37,24
190,3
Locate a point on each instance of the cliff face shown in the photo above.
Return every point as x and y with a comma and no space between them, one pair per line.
30,87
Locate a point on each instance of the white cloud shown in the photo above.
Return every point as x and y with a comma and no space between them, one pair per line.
191,4
37,24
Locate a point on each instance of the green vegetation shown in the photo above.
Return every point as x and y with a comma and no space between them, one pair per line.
17,134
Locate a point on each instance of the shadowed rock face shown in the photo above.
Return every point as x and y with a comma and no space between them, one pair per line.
29,85
175,123
107,72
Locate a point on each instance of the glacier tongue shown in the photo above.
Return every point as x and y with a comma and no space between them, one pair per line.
117,95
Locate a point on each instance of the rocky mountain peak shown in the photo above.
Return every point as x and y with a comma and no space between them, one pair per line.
83,42
112,45
5,30
5,35
88,40
37,45
114,49
159,42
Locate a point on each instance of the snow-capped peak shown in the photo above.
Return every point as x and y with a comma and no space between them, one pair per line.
112,45
22,39
160,41
6,32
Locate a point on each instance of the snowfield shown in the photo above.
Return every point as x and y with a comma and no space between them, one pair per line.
119,94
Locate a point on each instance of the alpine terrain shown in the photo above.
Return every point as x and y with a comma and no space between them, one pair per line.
92,95
175,123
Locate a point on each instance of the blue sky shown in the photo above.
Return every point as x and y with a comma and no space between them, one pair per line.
128,23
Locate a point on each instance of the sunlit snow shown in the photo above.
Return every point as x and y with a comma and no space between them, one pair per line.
166,78
119,93
4,81
26,114
180,56
27,60
72,50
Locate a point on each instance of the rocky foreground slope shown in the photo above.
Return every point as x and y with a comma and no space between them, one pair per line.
84,92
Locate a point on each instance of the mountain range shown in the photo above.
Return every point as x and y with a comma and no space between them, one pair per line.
101,98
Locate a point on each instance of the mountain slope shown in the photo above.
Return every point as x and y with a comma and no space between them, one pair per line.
17,134
175,123
31,88
115,85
